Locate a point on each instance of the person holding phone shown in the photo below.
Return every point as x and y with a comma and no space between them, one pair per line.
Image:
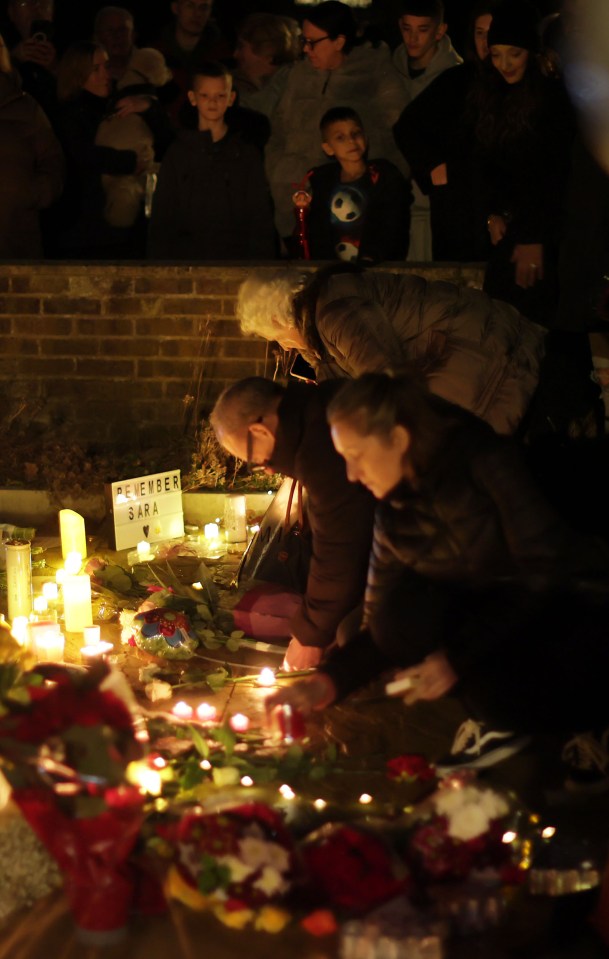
33,51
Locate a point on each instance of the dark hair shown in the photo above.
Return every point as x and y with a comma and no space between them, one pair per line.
336,19
501,116
423,8
209,68
478,10
335,115
375,403
75,68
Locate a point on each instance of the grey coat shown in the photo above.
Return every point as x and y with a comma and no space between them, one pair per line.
477,352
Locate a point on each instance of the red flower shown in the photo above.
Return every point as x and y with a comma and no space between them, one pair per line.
320,922
351,869
410,768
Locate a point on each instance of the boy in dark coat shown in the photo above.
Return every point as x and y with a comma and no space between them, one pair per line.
360,210
212,200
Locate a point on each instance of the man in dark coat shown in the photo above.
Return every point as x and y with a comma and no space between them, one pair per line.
286,431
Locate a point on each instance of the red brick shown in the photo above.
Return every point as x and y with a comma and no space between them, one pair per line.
51,367
132,347
181,347
163,284
105,327
5,326
193,305
3,284
245,349
72,305
108,369
165,326
210,286
130,306
166,369
19,304
40,283
43,325
10,345
68,347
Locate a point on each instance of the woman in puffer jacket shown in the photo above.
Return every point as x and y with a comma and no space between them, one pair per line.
474,351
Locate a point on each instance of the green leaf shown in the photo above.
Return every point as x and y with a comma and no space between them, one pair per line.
318,772
199,741
217,679
226,737
233,645
237,634
204,613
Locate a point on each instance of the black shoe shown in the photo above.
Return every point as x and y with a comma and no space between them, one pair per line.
476,747
587,756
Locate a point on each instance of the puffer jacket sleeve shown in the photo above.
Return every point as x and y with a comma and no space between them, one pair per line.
358,335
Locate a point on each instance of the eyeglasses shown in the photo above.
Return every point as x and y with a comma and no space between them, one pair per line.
311,44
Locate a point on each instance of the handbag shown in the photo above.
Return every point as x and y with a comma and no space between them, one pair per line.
280,552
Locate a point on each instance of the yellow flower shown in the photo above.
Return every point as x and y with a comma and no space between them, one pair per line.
234,918
176,887
272,919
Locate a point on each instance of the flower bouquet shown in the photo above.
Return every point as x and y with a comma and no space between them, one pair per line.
239,863
464,850
65,742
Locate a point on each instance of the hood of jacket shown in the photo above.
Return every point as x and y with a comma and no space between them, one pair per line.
445,57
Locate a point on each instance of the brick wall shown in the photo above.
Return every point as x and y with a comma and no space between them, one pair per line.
114,352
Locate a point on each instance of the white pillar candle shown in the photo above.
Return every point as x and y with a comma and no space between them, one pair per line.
77,603
73,563
72,532
234,518
19,578
20,629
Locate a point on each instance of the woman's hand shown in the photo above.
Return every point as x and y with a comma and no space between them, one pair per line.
497,227
528,259
432,678
299,657
307,695
128,105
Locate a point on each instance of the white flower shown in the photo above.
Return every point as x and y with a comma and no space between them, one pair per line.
147,673
494,805
271,882
259,852
468,822
158,689
238,870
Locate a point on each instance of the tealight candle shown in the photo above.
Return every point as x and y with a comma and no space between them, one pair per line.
182,710
365,799
239,723
40,604
77,603
92,635
287,792
49,646
266,677
95,651
60,576
143,550
72,532
50,592
211,531
206,712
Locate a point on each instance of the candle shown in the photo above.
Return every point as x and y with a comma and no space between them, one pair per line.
182,710
266,677
212,531
47,644
143,550
77,603
95,651
73,563
18,578
92,635
234,518
40,604
239,723
206,713
20,629
60,576
50,592
72,532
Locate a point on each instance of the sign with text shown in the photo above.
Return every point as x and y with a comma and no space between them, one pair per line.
146,508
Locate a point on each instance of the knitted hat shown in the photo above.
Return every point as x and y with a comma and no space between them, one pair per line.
515,23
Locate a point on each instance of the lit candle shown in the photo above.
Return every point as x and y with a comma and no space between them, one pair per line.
240,723
206,712
18,578
73,563
20,629
77,603
287,792
48,644
266,677
72,532
182,710
92,635
40,604
143,550
60,576
247,781
234,518
365,799
50,592
211,531
95,651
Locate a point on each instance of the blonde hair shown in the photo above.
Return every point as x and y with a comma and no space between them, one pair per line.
271,35
265,302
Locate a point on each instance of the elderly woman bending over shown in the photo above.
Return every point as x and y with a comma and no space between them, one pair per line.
474,351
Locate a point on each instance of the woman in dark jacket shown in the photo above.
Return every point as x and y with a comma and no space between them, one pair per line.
474,583
31,167
524,130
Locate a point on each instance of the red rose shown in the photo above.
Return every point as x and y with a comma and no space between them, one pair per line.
410,768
